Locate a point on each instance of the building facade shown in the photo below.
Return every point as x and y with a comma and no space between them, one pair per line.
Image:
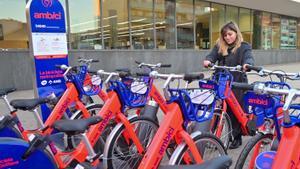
180,32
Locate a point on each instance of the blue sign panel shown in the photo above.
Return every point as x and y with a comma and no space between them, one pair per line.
49,44
47,16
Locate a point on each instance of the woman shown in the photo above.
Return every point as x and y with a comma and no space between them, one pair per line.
231,50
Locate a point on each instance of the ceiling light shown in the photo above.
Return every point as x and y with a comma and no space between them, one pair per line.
296,1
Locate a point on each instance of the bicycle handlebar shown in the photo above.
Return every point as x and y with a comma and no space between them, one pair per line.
84,60
230,68
153,66
170,77
255,68
243,86
264,72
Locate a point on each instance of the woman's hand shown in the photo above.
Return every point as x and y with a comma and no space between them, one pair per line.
206,63
245,69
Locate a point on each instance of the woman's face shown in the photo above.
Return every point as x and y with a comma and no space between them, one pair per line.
229,37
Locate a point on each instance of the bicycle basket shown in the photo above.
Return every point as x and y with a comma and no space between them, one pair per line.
86,84
196,104
222,79
132,92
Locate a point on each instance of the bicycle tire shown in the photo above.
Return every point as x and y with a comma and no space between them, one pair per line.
249,146
114,140
227,127
203,138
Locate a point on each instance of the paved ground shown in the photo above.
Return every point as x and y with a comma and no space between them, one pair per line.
28,119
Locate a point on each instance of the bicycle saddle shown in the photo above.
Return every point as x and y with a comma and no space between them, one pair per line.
6,91
72,127
28,104
221,162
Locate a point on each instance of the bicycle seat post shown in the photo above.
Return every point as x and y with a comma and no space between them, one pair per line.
39,118
89,147
7,103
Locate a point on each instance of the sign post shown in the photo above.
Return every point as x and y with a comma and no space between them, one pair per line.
48,43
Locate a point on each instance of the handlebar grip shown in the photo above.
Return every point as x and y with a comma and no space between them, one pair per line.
141,74
210,65
255,68
62,67
193,76
95,60
123,70
123,74
243,86
137,62
58,66
166,65
93,72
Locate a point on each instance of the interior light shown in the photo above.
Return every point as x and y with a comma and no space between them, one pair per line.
296,1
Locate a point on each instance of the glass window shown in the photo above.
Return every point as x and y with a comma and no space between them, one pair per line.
165,24
115,24
13,26
142,24
275,31
257,29
85,26
202,18
266,30
245,24
218,13
232,14
288,33
298,34
184,23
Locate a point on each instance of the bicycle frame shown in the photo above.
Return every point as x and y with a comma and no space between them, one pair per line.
237,110
228,99
111,110
171,127
71,95
287,155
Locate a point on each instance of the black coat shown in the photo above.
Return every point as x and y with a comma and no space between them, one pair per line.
243,55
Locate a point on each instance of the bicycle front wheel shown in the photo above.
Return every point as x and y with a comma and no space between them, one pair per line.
120,151
221,127
257,144
209,147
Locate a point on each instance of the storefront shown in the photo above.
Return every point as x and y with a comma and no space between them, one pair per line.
170,31
154,24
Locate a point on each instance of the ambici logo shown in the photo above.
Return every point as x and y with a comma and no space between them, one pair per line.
47,3
166,140
48,15
258,101
207,86
8,162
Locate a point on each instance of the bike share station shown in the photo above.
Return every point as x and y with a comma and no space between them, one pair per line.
48,44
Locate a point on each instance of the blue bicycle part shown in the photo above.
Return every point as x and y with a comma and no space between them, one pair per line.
128,98
13,149
78,80
264,160
193,111
7,128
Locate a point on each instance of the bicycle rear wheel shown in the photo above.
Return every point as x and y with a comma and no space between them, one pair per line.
257,144
209,147
120,151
